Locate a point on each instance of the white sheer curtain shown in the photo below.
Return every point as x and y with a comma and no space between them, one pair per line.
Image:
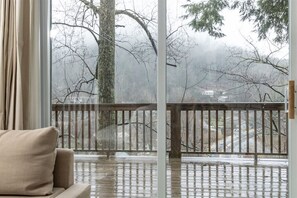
19,64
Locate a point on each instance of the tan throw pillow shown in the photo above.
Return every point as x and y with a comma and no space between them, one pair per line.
27,159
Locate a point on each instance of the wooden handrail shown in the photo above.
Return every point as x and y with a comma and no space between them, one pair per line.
182,106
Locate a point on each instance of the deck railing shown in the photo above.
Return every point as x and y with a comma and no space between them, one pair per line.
193,128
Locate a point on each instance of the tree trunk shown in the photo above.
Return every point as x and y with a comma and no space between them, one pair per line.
106,71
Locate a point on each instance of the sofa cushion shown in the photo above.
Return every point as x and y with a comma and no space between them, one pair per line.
27,159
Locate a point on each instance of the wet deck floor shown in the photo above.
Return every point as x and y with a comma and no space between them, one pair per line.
137,177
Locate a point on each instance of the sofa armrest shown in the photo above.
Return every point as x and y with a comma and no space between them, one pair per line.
63,171
77,191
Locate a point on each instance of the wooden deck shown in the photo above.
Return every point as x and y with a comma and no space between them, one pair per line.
189,177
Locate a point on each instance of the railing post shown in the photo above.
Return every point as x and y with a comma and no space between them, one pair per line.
175,113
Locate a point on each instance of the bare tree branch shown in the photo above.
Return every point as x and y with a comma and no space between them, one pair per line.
94,34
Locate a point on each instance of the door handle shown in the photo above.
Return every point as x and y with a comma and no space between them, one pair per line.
291,112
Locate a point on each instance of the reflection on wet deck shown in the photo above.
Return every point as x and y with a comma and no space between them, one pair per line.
138,178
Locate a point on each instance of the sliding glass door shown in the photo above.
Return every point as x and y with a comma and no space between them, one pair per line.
104,83
228,69
184,78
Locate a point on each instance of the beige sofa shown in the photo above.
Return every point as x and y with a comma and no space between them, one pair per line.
64,186
32,166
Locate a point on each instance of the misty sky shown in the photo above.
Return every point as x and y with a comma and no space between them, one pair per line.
234,29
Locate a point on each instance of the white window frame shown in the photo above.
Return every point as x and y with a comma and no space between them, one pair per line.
45,66
292,138
161,98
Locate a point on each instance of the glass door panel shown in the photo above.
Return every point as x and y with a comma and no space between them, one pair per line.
228,68
104,87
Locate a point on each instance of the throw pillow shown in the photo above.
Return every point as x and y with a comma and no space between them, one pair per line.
27,159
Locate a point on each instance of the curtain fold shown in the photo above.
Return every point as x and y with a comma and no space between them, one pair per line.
19,64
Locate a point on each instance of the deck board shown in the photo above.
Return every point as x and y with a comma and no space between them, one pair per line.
137,177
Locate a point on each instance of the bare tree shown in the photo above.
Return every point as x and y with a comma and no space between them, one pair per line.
263,75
